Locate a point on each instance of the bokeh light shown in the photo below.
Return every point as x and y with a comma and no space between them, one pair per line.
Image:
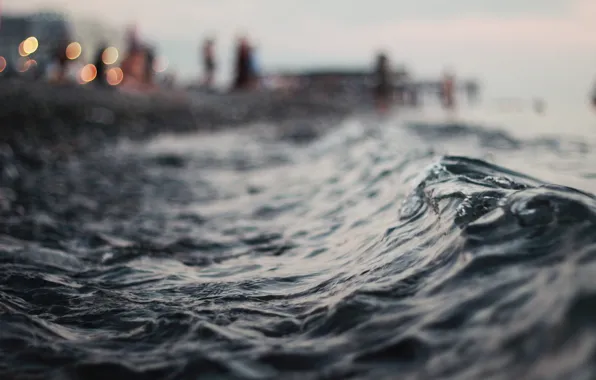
160,65
3,64
22,51
73,50
80,80
30,63
30,45
88,73
24,64
115,76
109,55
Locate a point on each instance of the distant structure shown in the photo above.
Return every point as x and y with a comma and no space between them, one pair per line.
208,60
13,30
48,28
349,81
52,30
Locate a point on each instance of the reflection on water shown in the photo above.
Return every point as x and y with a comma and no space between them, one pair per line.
384,247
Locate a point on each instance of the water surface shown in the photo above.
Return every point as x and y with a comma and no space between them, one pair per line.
403,247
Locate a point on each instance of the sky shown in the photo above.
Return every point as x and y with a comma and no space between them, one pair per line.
516,48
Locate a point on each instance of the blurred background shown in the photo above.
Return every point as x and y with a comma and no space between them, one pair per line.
527,49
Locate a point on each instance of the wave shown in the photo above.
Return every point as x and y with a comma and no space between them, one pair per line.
365,254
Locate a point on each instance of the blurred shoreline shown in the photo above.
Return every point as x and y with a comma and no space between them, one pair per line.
72,118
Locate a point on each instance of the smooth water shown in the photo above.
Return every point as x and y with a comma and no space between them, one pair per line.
384,249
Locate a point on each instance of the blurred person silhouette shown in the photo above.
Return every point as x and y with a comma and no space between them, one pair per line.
101,78
134,68
149,75
61,59
242,65
383,85
135,64
447,91
208,55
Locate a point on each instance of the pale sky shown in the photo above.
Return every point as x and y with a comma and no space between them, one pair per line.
519,48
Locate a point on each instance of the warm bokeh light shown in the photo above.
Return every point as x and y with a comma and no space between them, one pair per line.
2,64
30,63
30,45
88,73
73,50
22,51
161,64
24,64
115,76
110,55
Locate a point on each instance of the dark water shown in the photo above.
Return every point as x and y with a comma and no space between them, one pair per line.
380,250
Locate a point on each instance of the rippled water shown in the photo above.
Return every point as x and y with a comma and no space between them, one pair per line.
382,250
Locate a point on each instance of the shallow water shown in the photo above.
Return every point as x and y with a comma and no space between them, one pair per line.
384,249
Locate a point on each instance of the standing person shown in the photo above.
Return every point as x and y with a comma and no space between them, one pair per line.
149,66
134,68
383,83
62,60
134,64
100,66
242,79
209,62
448,90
